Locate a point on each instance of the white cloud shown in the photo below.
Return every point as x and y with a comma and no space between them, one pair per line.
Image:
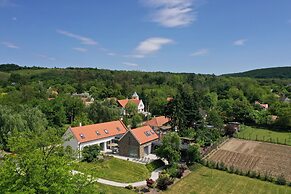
46,57
240,42
10,45
79,49
200,52
111,54
172,13
151,45
138,56
130,64
82,39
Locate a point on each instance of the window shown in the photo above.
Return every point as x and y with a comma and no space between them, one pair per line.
118,129
106,131
152,132
82,135
97,132
147,133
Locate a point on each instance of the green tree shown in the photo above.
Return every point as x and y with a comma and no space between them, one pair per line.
170,148
90,153
131,109
193,154
40,165
99,113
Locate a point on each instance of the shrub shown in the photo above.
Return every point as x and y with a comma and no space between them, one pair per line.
253,174
289,184
129,187
155,164
164,181
150,183
90,153
281,180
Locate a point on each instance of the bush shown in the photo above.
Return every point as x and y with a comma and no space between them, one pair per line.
150,183
155,164
281,180
164,181
129,187
90,153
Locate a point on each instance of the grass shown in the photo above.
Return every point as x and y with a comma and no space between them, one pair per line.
100,188
154,165
115,170
206,180
266,135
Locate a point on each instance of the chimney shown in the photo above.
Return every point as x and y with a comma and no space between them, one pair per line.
80,124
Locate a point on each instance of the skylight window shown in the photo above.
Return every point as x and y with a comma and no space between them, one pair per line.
82,135
97,132
118,129
147,133
106,131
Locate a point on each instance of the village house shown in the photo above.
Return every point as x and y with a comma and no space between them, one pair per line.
263,106
104,134
86,98
160,125
134,99
137,142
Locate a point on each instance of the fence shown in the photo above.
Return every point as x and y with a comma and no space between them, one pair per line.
283,141
205,151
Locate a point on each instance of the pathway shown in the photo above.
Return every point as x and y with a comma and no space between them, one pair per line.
154,176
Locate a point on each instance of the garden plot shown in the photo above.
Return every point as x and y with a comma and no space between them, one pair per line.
265,158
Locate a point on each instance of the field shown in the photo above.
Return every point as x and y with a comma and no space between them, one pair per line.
116,170
266,158
208,181
260,134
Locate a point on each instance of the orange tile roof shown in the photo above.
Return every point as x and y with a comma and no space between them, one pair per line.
144,134
124,102
98,131
158,121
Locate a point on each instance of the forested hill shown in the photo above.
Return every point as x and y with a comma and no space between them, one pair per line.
275,72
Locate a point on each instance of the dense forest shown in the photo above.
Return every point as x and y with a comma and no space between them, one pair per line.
275,72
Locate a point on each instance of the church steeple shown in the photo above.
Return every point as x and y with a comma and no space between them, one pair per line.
135,96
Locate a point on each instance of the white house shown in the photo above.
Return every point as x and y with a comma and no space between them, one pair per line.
135,99
102,134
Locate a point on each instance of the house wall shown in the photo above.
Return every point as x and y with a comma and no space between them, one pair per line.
69,140
129,146
140,106
141,149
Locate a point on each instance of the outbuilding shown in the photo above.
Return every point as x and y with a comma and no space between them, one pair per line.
137,142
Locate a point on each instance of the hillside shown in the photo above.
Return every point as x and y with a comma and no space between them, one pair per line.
275,72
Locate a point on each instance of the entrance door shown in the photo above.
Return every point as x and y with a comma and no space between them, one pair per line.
146,150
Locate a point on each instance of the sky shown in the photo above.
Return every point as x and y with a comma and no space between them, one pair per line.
196,36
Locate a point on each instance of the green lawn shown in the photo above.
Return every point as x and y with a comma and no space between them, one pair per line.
100,188
259,134
116,170
205,180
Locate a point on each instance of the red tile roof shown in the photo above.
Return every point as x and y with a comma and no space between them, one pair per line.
144,134
98,131
124,102
158,121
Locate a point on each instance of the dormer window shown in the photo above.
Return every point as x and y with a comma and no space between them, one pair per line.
106,131
82,135
97,132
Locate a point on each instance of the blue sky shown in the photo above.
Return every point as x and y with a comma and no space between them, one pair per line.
199,36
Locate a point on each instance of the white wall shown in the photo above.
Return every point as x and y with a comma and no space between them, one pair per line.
70,140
